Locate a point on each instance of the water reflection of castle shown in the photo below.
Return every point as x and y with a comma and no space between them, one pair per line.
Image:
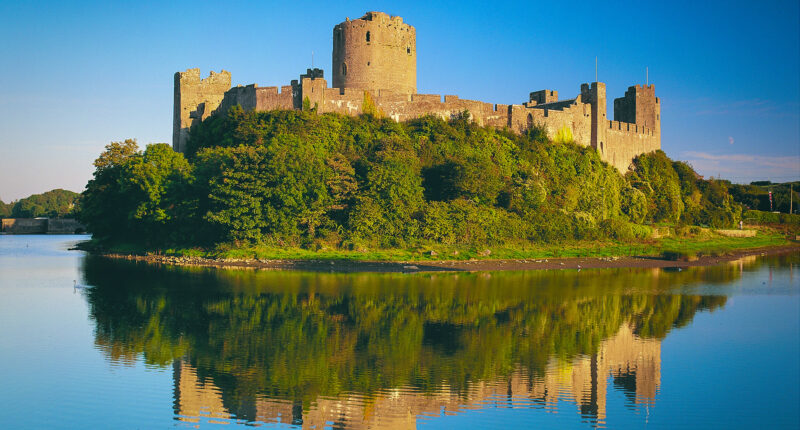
633,363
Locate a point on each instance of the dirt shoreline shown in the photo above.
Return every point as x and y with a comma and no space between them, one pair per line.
349,266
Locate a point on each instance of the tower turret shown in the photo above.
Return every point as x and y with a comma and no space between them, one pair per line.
195,99
639,106
375,52
595,95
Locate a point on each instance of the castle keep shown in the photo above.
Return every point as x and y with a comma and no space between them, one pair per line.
377,55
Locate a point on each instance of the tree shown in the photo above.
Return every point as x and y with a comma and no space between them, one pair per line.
655,176
54,203
5,209
299,178
105,207
154,180
133,195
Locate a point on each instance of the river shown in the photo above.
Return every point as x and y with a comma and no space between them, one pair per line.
87,342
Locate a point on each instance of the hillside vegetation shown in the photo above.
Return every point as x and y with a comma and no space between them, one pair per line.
53,203
755,196
5,209
299,179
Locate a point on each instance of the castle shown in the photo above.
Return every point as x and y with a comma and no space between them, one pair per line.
376,55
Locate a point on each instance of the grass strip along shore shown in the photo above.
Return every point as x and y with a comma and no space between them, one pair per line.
663,252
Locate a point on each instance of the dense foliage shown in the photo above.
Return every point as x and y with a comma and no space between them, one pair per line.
5,209
756,196
303,179
675,193
54,203
771,217
138,196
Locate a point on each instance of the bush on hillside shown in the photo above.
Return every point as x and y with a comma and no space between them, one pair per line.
300,178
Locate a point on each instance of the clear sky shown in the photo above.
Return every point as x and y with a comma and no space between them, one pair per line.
75,76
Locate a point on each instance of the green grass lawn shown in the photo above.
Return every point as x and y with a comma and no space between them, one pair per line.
669,247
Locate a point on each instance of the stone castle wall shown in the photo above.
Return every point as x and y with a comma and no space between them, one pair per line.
195,100
625,141
376,54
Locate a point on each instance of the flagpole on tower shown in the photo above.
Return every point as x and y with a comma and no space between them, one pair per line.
595,68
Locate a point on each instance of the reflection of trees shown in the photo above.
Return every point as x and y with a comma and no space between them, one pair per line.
298,336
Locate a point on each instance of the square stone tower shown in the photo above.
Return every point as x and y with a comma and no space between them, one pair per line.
595,95
639,106
195,100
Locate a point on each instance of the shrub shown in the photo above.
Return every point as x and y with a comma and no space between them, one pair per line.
634,204
620,229
771,217
584,226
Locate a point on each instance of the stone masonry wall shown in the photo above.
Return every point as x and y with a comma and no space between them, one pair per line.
639,106
24,225
625,141
195,100
375,52
576,117
617,142
41,226
544,96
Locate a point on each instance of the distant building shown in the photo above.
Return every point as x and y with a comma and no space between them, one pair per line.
377,54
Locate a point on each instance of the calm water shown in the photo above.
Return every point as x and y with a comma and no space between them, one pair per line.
148,347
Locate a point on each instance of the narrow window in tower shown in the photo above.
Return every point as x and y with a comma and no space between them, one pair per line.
368,36
344,69
408,50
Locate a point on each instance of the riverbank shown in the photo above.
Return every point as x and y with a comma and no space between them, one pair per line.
347,266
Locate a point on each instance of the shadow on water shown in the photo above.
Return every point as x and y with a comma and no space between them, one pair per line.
382,349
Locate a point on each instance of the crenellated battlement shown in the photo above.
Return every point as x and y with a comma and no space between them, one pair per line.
375,52
639,106
192,76
543,96
374,58
628,127
195,99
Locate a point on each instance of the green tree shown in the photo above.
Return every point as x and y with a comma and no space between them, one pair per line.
134,195
305,179
655,176
54,203
634,204
105,207
5,209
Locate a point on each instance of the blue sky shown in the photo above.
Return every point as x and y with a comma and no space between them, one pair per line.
75,76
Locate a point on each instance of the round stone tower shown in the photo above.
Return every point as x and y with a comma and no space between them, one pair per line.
375,52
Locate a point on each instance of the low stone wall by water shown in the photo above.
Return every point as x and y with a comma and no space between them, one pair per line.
41,226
